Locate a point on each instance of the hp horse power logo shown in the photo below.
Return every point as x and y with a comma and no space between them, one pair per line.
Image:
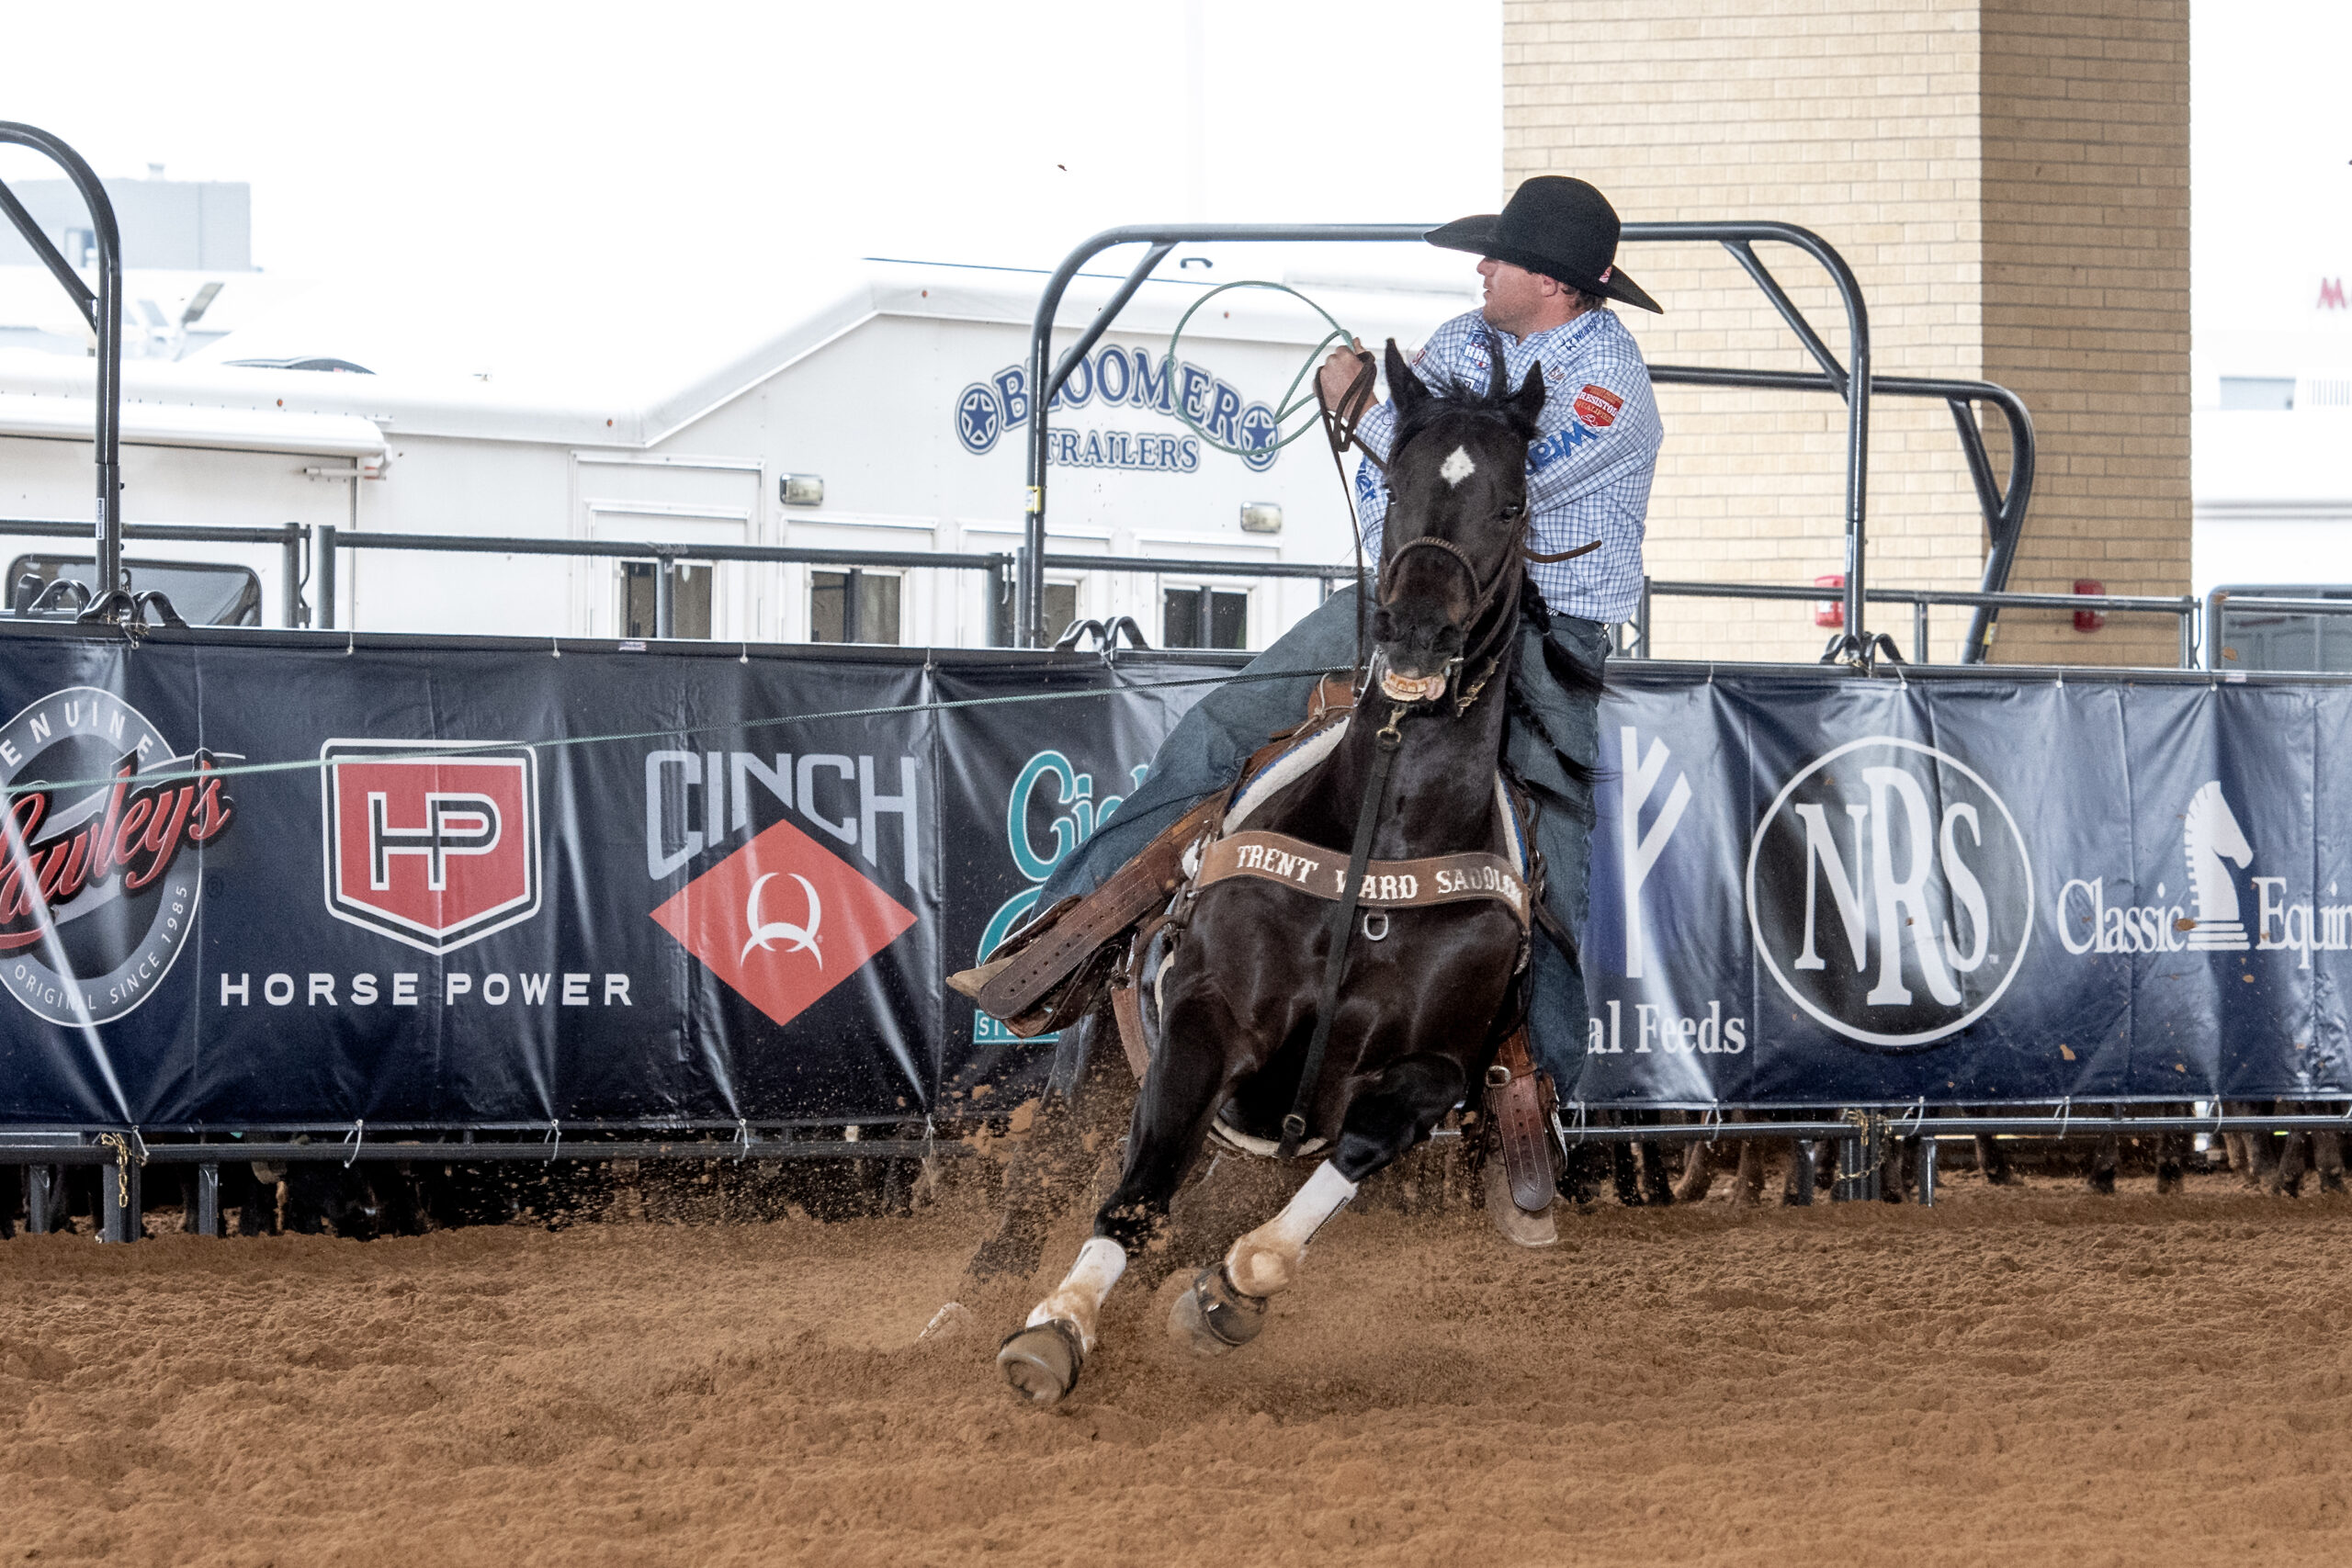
98,885
436,852
1890,893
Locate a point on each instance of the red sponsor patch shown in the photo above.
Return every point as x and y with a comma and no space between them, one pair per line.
782,920
434,851
1598,406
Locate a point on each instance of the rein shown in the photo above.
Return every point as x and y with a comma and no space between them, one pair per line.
1385,745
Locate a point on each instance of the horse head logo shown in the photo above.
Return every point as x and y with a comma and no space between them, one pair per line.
2209,833
802,938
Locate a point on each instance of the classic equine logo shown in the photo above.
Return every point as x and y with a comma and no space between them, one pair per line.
782,920
2214,920
436,852
1890,892
98,892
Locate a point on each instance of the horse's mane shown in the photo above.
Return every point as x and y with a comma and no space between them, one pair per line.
1492,402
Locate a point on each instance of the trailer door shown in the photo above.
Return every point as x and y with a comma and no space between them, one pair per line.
641,498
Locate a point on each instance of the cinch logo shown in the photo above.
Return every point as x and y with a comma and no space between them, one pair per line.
1890,892
98,891
1129,377
783,921
431,851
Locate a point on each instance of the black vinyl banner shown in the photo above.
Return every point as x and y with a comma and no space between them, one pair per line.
1822,891
281,881
437,885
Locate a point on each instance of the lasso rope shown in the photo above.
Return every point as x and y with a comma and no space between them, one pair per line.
1293,400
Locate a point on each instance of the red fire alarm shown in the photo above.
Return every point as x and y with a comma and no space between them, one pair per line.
2089,620
1830,611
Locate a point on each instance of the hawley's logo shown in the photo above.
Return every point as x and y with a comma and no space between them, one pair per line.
97,890
436,852
728,918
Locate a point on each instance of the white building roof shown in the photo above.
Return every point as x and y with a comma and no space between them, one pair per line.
584,370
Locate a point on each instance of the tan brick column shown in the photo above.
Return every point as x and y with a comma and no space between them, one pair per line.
2010,182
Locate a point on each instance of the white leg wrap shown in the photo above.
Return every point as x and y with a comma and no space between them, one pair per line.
1079,1296
1267,1259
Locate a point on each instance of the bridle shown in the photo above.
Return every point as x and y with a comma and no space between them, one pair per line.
1340,425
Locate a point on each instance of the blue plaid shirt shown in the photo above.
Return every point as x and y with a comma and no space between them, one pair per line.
1588,471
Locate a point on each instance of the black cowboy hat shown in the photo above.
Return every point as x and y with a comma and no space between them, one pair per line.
1559,227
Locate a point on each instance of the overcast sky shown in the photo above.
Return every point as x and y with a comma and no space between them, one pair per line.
705,136
719,139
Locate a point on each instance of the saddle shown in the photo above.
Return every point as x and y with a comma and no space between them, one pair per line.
1056,968
1052,971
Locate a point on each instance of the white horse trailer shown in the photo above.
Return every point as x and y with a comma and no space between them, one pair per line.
889,416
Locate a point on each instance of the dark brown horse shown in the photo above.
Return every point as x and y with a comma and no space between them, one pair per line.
1430,991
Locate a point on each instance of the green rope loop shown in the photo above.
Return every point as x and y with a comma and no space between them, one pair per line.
1293,400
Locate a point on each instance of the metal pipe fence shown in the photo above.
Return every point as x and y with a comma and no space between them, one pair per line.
2222,602
1861,1136
310,554
2185,608
321,545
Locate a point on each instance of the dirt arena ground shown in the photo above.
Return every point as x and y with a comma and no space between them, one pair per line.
2033,1376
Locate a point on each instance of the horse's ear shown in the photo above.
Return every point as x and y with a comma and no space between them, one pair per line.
1527,402
1405,388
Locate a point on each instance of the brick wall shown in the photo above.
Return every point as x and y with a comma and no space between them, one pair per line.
1917,137
2085,153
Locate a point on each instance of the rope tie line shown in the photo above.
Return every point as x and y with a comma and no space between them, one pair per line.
357,1136
555,1130
314,764
743,1137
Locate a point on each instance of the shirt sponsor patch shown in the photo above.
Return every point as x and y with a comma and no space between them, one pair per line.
1598,406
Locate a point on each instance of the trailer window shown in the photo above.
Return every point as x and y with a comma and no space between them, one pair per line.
1062,609
689,600
205,594
1205,617
852,606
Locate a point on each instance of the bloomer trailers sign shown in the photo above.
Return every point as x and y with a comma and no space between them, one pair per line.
1136,382
272,881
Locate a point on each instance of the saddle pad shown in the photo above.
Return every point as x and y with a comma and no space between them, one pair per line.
1387,884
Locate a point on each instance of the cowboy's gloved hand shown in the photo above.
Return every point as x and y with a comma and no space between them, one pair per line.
1340,373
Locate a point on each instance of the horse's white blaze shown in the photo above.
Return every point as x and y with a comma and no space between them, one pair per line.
1079,1295
1457,467
1267,1259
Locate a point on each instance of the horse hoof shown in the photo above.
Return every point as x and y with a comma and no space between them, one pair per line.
1041,1363
1214,1317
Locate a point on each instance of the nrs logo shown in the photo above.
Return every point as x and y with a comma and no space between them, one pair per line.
436,852
1890,893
